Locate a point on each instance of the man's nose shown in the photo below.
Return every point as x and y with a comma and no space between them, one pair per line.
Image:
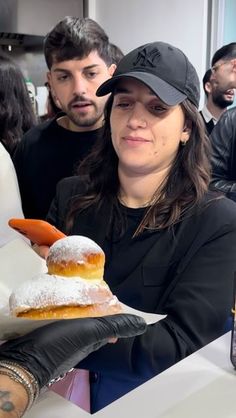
80,85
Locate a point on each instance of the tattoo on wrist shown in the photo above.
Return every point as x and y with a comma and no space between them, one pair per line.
5,404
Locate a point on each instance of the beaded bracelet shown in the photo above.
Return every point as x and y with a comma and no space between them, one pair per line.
15,367
13,371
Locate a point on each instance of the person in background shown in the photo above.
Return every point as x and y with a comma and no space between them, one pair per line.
16,117
77,54
16,112
223,66
223,137
217,101
10,197
143,196
53,105
31,362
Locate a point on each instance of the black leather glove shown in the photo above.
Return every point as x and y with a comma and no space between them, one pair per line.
53,349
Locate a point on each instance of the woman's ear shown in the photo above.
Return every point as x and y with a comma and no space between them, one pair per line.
187,129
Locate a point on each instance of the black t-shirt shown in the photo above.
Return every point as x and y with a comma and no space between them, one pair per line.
124,252
46,154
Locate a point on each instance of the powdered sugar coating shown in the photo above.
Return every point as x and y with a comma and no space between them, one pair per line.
74,247
46,290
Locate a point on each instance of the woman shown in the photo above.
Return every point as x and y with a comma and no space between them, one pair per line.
16,111
30,362
16,117
10,197
170,244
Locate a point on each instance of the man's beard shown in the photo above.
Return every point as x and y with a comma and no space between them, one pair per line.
84,121
220,101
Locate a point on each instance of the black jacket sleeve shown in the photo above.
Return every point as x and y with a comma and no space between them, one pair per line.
223,140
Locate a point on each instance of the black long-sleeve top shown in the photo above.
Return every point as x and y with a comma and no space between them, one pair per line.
185,272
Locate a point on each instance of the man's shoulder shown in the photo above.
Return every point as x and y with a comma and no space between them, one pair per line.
40,130
231,112
229,115
224,131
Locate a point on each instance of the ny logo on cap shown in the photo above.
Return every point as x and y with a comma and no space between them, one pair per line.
147,58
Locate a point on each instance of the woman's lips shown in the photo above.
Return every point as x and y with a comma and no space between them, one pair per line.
135,139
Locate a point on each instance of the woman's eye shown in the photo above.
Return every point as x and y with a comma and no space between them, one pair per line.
123,105
157,108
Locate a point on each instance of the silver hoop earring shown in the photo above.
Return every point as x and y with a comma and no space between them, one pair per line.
183,143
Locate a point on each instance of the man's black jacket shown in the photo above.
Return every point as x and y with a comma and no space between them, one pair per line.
223,139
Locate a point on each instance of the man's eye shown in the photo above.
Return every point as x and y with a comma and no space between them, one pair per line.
63,77
91,74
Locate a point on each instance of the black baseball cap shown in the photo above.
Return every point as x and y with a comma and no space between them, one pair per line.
164,68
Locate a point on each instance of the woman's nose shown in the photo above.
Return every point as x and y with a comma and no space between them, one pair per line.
137,118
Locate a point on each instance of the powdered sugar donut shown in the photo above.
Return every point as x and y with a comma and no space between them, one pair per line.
52,297
76,255
72,288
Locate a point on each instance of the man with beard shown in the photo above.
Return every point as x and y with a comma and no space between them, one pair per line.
217,101
79,59
223,136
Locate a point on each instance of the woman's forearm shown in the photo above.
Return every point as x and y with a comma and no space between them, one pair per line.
13,398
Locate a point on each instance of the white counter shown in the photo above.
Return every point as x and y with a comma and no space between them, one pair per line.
202,385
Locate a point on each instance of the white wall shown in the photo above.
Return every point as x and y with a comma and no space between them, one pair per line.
130,23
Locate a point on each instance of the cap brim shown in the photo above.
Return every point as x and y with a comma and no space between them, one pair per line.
167,93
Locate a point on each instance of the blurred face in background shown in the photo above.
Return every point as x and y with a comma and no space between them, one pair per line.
224,74
220,97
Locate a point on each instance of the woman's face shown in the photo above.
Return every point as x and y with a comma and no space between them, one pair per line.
146,132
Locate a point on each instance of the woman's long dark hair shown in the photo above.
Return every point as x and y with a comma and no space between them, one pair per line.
16,111
183,189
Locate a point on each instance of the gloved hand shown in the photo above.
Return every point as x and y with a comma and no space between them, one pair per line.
53,349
